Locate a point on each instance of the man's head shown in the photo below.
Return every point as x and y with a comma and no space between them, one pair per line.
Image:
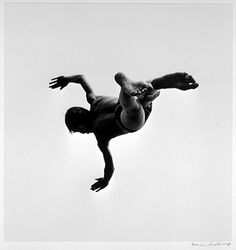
78,119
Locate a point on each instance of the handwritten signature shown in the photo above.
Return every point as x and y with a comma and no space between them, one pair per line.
210,244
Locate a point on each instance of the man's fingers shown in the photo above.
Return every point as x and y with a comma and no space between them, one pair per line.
98,179
54,86
56,78
98,185
94,188
95,185
53,82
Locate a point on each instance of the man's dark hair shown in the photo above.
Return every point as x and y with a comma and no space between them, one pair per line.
76,116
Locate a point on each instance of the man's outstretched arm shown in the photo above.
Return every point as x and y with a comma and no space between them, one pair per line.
62,81
108,170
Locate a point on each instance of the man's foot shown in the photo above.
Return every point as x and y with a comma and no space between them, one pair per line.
133,88
182,81
148,97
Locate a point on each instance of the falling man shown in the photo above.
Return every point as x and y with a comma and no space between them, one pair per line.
110,117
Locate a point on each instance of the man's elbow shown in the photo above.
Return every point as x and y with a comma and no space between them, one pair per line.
91,98
103,145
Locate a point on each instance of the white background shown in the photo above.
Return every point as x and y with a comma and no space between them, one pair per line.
175,183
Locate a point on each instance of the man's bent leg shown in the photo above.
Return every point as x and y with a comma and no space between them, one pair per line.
132,116
181,81
146,92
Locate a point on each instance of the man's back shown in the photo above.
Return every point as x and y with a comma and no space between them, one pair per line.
103,104
106,126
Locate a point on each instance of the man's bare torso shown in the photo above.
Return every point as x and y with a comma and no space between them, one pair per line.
103,110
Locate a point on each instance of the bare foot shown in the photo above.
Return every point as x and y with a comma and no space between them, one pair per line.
148,97
182,81
133,88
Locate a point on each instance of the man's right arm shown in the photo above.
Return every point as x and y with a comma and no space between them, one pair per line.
109,167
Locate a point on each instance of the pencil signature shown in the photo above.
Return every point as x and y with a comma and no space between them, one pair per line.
211,244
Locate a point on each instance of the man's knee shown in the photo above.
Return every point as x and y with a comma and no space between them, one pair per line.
134,119
133,110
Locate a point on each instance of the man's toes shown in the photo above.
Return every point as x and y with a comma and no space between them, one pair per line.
143,90
182,75
190,79
140,91
134,93
194,85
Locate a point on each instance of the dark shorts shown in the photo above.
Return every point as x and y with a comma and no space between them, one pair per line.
118,111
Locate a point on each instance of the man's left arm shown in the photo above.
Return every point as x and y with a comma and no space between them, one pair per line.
62,81
109,167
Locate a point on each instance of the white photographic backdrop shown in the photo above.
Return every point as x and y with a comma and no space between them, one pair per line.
173,178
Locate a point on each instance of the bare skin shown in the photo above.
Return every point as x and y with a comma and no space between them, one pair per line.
135,98
181,81
130,87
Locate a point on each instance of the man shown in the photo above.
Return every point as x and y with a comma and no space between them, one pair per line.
110,117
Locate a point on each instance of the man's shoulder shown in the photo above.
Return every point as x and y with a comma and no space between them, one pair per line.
103,102
106,98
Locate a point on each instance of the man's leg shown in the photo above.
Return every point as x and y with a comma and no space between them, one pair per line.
136,95
181,81
132,115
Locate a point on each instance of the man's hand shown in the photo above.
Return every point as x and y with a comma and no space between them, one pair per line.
59,82
100,184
